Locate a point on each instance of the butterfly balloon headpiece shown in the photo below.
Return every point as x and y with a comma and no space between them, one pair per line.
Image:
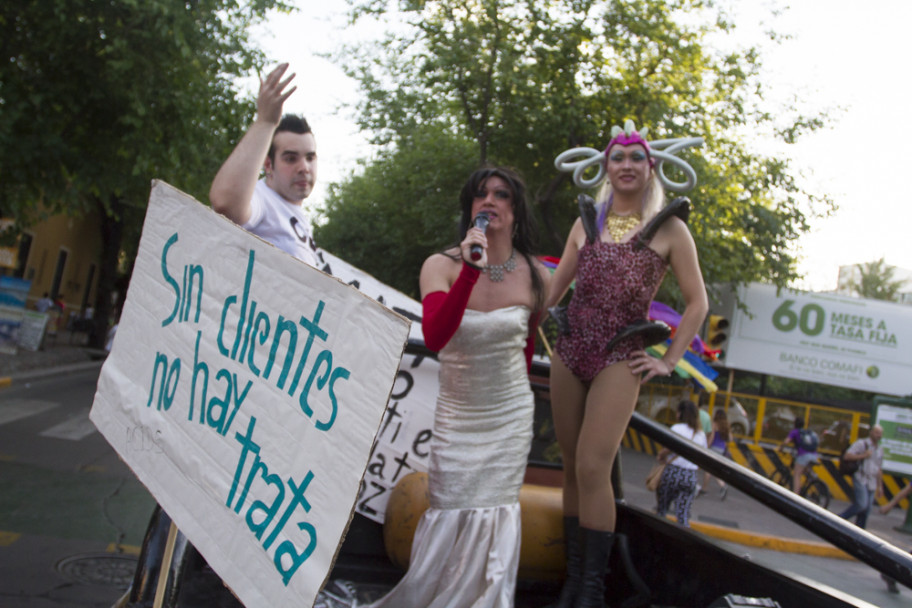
659,152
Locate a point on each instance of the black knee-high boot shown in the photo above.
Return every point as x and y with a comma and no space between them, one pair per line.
573,557
596,549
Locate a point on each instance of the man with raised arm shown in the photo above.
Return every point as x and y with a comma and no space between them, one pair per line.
284,146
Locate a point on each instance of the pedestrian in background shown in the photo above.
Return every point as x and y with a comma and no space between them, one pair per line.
719,436
805,442
706,423
896,498
679,479
867,482
44,303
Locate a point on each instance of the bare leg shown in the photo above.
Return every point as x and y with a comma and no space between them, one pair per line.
707,477
896,498
568,397
796,477
609,405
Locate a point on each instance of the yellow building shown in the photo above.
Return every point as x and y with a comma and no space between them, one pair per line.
61,257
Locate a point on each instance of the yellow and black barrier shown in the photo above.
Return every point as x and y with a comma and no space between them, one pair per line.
766,460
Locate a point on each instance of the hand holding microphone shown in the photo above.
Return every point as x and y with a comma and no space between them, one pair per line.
481,222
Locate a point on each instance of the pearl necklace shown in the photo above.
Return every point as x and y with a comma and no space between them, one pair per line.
496,272
619,225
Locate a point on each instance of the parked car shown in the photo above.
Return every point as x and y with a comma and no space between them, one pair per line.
738,421
778,423
837,435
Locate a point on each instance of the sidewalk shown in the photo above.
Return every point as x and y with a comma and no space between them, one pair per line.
65,352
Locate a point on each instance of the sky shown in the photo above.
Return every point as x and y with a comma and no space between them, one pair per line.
845,57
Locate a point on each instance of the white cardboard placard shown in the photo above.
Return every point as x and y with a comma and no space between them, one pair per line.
254,442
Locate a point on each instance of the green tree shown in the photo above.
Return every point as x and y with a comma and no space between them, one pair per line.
100,97
875,280
526,79
401,207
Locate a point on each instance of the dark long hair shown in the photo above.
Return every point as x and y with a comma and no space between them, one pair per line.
721,420
524,231
687,413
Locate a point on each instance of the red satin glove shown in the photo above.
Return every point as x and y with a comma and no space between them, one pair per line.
443,310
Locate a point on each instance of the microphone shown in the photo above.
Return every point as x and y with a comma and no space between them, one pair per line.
481,222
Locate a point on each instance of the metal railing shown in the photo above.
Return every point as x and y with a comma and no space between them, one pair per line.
761,419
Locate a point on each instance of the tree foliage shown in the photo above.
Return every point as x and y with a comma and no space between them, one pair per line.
526,79
875,280
99,97
399,209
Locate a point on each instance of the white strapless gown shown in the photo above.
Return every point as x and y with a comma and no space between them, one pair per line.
465,553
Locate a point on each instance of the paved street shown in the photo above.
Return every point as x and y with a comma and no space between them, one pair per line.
72,515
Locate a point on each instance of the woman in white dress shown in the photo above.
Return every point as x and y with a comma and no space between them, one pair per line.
481,315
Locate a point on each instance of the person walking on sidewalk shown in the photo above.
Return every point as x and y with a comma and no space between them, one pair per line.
867,481
706,423
718,438
679,479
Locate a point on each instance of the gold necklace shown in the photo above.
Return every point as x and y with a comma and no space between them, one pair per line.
619,225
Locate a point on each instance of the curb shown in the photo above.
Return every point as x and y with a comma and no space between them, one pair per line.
774,543
27,376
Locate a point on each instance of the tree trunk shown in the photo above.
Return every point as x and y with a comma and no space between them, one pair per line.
545,203
111,229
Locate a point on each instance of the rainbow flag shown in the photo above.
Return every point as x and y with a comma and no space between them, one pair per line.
690,366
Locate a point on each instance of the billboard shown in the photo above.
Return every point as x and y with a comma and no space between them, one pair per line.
895,416
821,337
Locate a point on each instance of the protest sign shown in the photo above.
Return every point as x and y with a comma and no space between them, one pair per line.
31,332
245,389
13,295
405,433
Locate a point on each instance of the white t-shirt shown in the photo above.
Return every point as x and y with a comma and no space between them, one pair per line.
43,304
698,437
283,224
868,469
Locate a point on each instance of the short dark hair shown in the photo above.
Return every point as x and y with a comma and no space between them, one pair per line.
292,123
